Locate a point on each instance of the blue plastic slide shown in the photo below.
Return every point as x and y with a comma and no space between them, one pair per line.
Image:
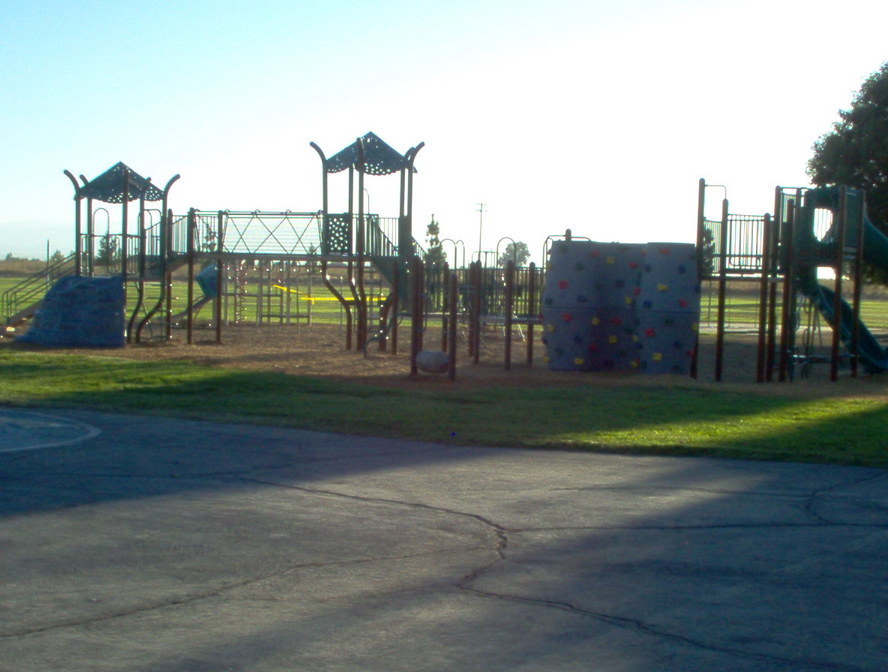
872,355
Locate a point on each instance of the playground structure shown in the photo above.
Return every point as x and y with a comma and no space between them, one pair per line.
241,247
265,263
783,254
260,267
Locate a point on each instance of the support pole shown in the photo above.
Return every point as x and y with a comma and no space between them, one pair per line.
509,299
416,312
220,277
453,290
787,327
722,290
532,310
189,326
838,259
764,284
857,272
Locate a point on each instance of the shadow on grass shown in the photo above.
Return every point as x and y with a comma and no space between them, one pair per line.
683,420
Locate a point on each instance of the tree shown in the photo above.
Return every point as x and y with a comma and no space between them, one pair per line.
516,252
855,152
108,252
435,255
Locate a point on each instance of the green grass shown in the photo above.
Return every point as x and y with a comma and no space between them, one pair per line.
683,419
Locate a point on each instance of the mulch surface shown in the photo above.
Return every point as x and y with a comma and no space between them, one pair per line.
319,351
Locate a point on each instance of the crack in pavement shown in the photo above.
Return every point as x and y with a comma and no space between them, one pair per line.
219,591
499,549
640,627
502,533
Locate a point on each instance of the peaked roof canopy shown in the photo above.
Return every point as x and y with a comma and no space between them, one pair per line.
378,157
108,187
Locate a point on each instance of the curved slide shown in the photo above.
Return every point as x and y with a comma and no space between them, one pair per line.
873,356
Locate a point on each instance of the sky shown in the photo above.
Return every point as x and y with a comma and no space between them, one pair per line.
593,115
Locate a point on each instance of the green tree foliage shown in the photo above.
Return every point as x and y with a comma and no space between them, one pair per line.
855,152
108,250
435,255
516,252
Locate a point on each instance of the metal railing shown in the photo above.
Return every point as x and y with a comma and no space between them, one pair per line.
19,301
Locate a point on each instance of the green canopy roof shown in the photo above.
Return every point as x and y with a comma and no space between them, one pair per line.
108,187
378,157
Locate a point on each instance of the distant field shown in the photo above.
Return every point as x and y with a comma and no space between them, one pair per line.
274,305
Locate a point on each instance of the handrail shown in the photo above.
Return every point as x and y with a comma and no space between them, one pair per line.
18,298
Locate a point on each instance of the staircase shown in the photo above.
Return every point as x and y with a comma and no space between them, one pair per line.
383,253
21,301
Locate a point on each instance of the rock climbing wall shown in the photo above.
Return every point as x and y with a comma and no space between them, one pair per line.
80,312
668,308
620,307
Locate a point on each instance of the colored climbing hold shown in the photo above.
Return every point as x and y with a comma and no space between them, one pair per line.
579,361
610,260
657,356
662,287
596,320
567,317
612,339
562,284
649,332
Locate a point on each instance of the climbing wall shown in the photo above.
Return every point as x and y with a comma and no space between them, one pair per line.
668,308
620,307
80,312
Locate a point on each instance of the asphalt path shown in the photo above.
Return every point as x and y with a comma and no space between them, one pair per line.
142,543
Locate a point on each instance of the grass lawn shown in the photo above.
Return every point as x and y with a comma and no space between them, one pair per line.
682,419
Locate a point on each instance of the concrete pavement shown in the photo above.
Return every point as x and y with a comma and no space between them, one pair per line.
143,543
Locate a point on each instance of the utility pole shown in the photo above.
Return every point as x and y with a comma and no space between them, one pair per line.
480,212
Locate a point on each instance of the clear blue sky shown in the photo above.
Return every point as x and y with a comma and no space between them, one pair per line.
598,116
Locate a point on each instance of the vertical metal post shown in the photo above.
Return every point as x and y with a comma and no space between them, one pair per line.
453,289
445,313
220,277
416,312
722,290
532,310
476,312
77,225
764,284
123,241
838,259
858,282
396,305
189,320
787,326
509,299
